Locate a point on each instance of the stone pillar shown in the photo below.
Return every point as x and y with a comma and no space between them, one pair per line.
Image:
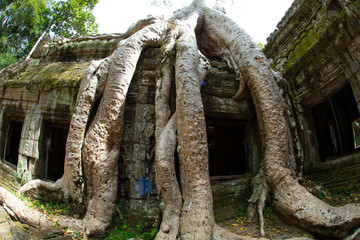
352,56
143,201
355,85
29,163
2,132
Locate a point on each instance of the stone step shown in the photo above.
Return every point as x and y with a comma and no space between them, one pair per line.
8,181
338,175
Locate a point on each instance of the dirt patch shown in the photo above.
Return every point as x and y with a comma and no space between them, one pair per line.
277,229
274,227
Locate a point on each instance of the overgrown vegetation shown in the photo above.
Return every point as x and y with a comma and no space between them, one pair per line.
121,230
53,208
274,228
24,21
332,197
261,45
124,231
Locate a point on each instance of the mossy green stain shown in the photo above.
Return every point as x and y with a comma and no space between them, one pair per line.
313,33
47,77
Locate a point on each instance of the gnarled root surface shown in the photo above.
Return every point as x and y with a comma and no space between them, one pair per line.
258,199
20,211
102,141
295,204
71,185
290,197
92,156
166,177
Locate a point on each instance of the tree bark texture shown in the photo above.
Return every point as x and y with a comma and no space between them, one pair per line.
192,34
35,218
102,141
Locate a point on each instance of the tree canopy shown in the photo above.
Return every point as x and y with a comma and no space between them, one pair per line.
23,22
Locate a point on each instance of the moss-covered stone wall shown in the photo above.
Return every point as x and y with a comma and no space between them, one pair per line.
316,48
78,49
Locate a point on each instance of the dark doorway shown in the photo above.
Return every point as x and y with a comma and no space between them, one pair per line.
12,142
55,143
333,124
227,147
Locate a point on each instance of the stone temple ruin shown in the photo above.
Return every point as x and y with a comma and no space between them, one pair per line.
316,48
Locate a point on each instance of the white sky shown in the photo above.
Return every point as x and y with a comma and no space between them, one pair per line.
258,17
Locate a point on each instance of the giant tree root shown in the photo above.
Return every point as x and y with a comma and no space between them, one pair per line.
257,200
71,185
291,200
294,203
33,217
167,182
95,153
101,148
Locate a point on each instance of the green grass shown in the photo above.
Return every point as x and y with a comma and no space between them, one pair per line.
55,208
138,232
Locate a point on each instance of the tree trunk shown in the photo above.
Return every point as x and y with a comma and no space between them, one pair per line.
92,156
197,218
102,142
291,200
18,209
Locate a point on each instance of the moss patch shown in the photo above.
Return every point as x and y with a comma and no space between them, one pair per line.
50,76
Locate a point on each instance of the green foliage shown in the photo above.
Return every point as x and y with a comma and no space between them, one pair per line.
24,21
137,232
49,207
268,215
21,23
261,45
124,211
73,17
158,3
6,59
121,230
242,210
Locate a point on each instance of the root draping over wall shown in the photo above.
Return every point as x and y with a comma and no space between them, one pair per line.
193,34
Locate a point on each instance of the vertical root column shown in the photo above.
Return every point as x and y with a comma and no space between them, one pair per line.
102,142
167,182
165,135
258,200
291,200
71,185
197,219
92,87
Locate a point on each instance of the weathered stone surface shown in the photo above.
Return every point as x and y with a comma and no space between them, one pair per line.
220,107
48,233
230,195
21,94
10,230
339,175
326,33
44,76
8,179
46,88
5,233
79,49
316,48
